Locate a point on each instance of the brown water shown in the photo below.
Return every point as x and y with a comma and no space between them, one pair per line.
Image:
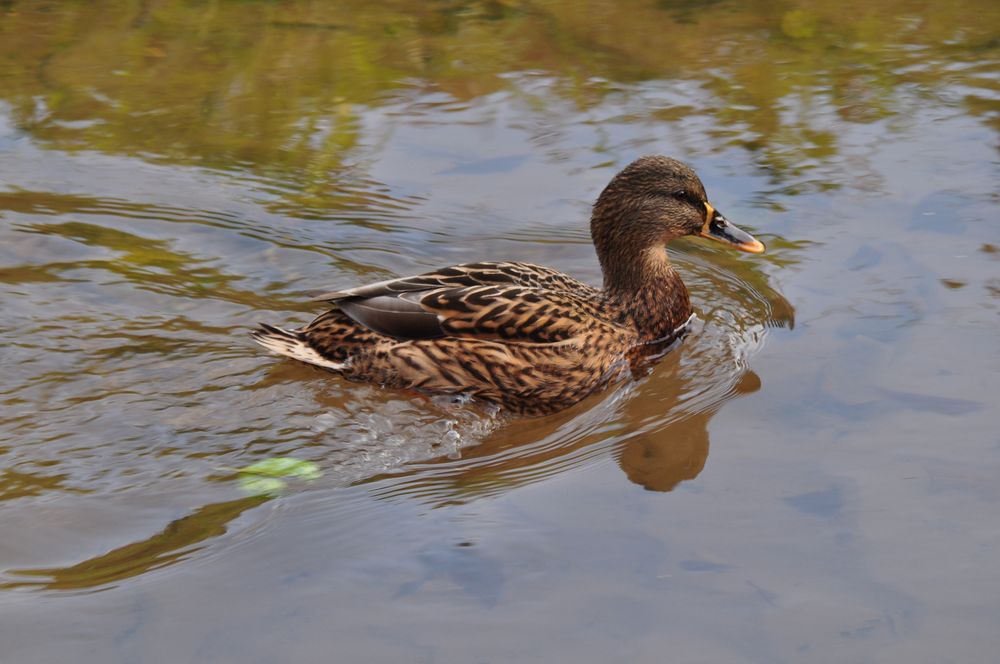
810,477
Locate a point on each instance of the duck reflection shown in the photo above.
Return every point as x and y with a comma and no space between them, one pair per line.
655,426
660,460
658,439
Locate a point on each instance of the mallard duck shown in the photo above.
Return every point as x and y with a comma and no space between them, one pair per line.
526,337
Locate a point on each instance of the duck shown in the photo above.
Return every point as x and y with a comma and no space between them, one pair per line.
524,337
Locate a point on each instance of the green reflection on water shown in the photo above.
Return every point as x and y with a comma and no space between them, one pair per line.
282,88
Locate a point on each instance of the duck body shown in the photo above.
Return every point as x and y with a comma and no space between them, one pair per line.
526,337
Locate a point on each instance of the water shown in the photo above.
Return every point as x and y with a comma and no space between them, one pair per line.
809,476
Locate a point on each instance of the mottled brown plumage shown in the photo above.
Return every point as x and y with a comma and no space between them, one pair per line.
529,338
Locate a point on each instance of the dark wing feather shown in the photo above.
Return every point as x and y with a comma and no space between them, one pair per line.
393,316
514,302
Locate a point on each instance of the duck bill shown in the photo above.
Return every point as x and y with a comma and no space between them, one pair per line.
719,229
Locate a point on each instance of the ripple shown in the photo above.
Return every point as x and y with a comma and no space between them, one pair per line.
673,403
369,442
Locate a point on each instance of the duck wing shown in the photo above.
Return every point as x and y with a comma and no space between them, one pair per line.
469,274
511,302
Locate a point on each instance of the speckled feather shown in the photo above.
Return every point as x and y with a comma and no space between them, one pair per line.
524,336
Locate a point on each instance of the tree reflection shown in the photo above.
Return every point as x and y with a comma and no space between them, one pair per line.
177,541
282,88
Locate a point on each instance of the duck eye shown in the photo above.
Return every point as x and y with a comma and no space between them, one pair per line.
690,198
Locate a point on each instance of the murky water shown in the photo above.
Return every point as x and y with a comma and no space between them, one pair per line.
811,476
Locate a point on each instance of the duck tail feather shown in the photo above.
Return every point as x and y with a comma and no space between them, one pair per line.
293,344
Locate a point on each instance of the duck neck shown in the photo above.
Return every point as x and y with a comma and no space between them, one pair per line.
647,293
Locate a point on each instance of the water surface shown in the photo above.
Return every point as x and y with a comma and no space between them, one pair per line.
810,476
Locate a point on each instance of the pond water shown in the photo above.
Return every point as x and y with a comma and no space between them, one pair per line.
810,476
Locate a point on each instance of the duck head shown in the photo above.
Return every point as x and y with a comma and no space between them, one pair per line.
650,202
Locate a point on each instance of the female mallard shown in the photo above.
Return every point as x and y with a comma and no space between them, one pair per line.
526,337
